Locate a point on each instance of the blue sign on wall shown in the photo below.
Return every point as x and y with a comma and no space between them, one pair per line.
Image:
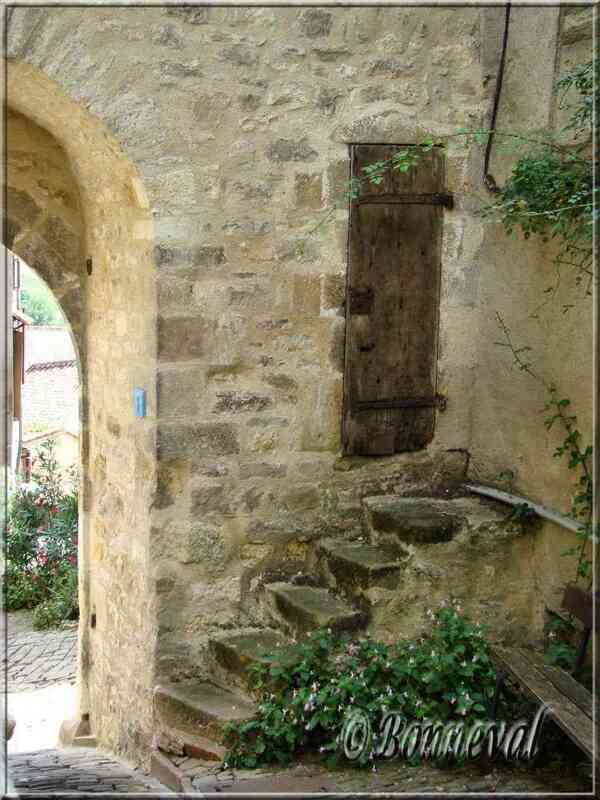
139,398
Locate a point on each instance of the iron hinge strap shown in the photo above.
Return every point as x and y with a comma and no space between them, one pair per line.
439,402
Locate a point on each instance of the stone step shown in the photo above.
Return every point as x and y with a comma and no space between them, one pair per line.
233,653
163,770
200,708
412,520
191,745
305,608
356,565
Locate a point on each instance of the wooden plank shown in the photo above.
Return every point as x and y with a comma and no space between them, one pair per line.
564,682
567,715
391,352
514,500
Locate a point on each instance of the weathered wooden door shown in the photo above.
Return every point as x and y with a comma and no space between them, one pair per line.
392,306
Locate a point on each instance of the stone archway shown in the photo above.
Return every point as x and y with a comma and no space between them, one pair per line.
77,213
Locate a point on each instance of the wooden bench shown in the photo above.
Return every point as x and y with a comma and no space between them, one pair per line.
570,704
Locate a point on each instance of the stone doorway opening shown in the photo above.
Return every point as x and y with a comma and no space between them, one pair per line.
77,214
41,572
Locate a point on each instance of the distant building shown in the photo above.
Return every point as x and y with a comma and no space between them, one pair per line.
50,395
51,388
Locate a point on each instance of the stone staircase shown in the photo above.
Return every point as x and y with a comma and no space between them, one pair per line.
334,590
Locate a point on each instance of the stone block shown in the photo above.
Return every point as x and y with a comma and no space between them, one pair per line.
181,338
167,255
262,470
236,402
192,15
307,295
327,100
209,499
203,543
179,392
240,55
315,23
322,420
208,256
284,150
197,439
338,175
302,498
308,191
334,292
172,480
337,350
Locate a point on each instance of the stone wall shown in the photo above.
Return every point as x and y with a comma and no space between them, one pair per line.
508,431
235,124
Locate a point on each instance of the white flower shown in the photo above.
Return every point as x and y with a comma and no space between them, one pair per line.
463,664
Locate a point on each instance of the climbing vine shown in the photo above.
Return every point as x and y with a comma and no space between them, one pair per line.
550,191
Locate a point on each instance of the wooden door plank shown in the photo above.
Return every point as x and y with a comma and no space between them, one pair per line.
391,342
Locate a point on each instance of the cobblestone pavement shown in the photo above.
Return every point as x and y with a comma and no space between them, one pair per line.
82,770
391,777
38,658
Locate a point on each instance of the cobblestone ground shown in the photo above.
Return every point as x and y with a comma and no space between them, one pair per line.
83,771
390,778
38,658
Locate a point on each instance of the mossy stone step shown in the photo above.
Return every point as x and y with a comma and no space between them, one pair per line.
200,708
306,608
235,652
355,564
413,520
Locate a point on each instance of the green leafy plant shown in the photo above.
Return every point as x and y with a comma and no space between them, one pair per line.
37,301
62,603
41,541
559,650
305,690
522,512
550,191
